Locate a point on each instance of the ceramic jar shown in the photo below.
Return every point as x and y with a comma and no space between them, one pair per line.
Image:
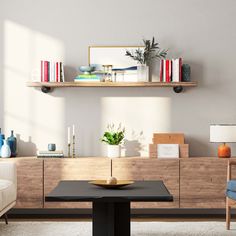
113,151
5,150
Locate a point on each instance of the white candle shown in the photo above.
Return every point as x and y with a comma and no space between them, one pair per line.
73,130
68,135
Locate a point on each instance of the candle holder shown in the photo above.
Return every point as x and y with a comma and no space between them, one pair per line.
68,149
73,146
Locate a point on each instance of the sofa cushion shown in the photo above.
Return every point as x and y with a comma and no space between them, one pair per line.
7,193
231,194
231,185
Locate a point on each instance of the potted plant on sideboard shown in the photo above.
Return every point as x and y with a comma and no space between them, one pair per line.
113,138
145,56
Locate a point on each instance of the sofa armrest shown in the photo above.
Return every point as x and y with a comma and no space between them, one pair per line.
8,171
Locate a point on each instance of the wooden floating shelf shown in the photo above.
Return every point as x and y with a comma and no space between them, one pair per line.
46,86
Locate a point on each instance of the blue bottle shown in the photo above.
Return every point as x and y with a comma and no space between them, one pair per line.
2,137
12,142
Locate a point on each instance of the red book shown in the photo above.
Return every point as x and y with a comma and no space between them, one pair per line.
161,71
180,69
168,71
45,71
57,72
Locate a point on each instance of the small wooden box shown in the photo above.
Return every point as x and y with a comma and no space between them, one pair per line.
168,138
183,150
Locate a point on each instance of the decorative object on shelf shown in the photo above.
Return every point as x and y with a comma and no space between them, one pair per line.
73,141
123,69
51,147
12,142
68,141
145,57
108,73
105,184
2,137
113,137
143,73
87,69
88,75
186,73
5,150
223,133
168,139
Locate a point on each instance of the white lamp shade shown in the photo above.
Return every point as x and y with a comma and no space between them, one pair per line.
223,133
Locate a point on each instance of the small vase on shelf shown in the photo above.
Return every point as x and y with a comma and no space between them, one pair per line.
113,151
143,73
12,142
5,150
2,137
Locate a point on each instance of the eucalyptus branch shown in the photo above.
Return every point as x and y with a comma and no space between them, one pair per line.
151,51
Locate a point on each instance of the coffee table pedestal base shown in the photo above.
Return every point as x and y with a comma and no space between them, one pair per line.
111,218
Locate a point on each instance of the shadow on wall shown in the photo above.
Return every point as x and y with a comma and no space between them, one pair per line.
132,148
70,73
198,147
25,148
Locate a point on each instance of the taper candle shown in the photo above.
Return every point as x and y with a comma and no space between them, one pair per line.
73,130
68,135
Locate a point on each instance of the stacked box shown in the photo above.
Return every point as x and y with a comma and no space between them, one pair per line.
169,138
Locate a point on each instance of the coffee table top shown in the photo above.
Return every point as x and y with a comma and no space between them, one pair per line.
76,191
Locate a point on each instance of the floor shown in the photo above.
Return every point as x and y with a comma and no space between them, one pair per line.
139,227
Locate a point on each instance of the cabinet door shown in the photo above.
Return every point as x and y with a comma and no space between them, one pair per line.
202,182
56,170
29,182
150,169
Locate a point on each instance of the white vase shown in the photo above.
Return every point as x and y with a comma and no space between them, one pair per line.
113,151
143,73
5,150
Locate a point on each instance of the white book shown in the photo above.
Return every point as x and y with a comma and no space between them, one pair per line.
53,72
164,71
167,150
42,71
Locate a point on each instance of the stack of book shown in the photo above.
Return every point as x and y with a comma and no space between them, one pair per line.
52,71
88,78
171,70
50,154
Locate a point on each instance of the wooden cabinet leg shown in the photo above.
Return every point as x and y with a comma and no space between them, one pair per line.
6,218
228,215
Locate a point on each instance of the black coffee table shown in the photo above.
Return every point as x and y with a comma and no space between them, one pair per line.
111,207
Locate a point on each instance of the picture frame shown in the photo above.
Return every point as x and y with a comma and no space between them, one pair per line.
111,55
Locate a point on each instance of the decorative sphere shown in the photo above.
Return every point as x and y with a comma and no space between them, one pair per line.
112,180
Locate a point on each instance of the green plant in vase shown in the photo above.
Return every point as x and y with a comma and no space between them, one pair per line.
145,56
113,137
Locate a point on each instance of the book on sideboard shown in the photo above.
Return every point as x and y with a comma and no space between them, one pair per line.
50,154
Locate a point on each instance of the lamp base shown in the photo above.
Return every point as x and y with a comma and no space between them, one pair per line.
224,151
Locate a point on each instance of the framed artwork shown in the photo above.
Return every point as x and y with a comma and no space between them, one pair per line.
112,55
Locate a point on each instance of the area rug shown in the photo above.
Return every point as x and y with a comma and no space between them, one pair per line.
137,228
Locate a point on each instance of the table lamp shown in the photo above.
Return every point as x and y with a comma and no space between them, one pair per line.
223,133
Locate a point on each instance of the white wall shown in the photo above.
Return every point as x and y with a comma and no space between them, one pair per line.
201,31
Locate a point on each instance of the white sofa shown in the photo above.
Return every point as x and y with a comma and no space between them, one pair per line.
8,187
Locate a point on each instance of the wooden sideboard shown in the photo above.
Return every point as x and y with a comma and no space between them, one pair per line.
198,182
